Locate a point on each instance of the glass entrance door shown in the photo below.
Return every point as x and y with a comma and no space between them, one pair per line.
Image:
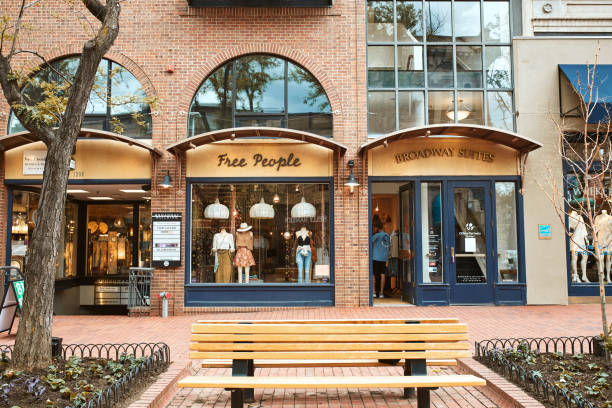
469,242
406,242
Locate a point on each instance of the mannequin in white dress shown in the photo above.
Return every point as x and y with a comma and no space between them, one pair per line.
578,246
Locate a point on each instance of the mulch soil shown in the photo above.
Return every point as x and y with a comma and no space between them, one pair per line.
70,383
587,375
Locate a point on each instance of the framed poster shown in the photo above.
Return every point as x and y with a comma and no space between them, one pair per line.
166,239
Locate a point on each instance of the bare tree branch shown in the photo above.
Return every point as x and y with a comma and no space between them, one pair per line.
97,9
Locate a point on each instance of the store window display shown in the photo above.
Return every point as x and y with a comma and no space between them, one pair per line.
260,233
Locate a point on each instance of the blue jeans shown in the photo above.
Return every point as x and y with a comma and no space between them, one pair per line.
303,264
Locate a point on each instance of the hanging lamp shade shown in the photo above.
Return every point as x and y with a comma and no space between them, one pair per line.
216,211
303,210
262,211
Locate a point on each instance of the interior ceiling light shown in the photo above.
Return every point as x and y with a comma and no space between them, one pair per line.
216,211
100,198
462,111
77,191
132,191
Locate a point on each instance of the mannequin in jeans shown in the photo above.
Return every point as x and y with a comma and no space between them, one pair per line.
303,254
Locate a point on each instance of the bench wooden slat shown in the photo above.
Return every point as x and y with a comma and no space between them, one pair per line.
331,382
318,363
325,346
321,355
331,321
364,337
330,328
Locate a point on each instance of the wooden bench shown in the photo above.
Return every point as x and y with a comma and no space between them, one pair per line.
219,363
415,342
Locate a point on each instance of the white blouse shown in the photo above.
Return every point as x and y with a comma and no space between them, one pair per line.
223,240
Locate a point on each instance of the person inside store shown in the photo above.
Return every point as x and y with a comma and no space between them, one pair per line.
379,247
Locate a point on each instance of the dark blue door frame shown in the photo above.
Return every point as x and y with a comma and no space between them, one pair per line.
468,293
439,293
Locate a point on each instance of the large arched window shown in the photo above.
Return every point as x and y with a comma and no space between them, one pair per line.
260,90
117,102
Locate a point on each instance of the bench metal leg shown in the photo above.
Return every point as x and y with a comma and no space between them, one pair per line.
249,393
244,368
237,400
423,400
414,367
409,391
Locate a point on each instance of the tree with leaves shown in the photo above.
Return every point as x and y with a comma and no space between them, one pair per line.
586,150
55,119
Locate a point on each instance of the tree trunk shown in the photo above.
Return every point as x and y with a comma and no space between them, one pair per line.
33,342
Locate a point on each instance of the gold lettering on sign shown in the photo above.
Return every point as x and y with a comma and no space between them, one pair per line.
444,152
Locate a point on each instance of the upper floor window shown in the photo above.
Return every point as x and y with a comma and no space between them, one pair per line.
260,90
117,102
433,62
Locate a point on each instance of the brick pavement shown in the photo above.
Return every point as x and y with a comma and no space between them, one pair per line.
484,322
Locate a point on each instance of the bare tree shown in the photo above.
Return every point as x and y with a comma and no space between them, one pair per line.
56,121
586,150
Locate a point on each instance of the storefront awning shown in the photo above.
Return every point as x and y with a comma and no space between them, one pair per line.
259,3
15,140
515,141
583,81
254,132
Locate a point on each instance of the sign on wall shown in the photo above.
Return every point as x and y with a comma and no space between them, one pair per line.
544,231
166,239
34,162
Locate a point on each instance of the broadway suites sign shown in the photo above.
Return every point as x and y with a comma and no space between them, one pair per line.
450,152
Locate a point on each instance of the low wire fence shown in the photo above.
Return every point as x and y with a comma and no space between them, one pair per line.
491,352
157,358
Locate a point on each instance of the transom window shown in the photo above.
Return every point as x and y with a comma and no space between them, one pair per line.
433,62
260,90
117,102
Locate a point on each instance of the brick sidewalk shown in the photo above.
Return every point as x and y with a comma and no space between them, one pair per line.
484,322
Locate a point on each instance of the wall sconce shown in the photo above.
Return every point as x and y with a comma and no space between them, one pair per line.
167,181
351,183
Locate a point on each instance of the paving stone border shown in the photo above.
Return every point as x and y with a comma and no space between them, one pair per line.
164,388
501,391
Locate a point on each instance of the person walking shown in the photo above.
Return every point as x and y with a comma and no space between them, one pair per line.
379,246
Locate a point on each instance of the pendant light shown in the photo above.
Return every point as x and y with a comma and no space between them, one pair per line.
462,111
276,198
262,211
216,211
303,210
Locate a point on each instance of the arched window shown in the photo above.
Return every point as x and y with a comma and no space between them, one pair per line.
260,90
116,104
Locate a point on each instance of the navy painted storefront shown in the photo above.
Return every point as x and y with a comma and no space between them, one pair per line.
253,294
448,291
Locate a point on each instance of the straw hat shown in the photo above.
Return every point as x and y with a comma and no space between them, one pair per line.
244,227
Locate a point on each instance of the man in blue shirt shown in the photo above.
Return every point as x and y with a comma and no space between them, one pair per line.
379,246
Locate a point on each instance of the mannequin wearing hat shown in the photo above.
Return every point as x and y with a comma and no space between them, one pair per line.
244,255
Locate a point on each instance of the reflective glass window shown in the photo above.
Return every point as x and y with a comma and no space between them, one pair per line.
469,109
507,235
499,110
499,68
410,66
282,245
117,102
440,107
440,66
438,21
432,232
381,67
467,21
260,90
409,21
380,21
496,17
381,112
469,66
411,106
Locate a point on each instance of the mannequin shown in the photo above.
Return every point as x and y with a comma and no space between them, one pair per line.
223,246
603,229
303,254
244,257
578,246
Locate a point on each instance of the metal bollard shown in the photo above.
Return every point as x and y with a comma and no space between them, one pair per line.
164,307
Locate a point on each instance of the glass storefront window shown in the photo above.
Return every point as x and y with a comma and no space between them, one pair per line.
25,205
507,238
286,239
441,107
499,67
496,17
110,234
470,108
144,239
438,21
499,110
261,90
431,232
409,21
440,67
469,67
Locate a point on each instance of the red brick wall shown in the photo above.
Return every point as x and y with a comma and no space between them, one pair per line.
329,42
